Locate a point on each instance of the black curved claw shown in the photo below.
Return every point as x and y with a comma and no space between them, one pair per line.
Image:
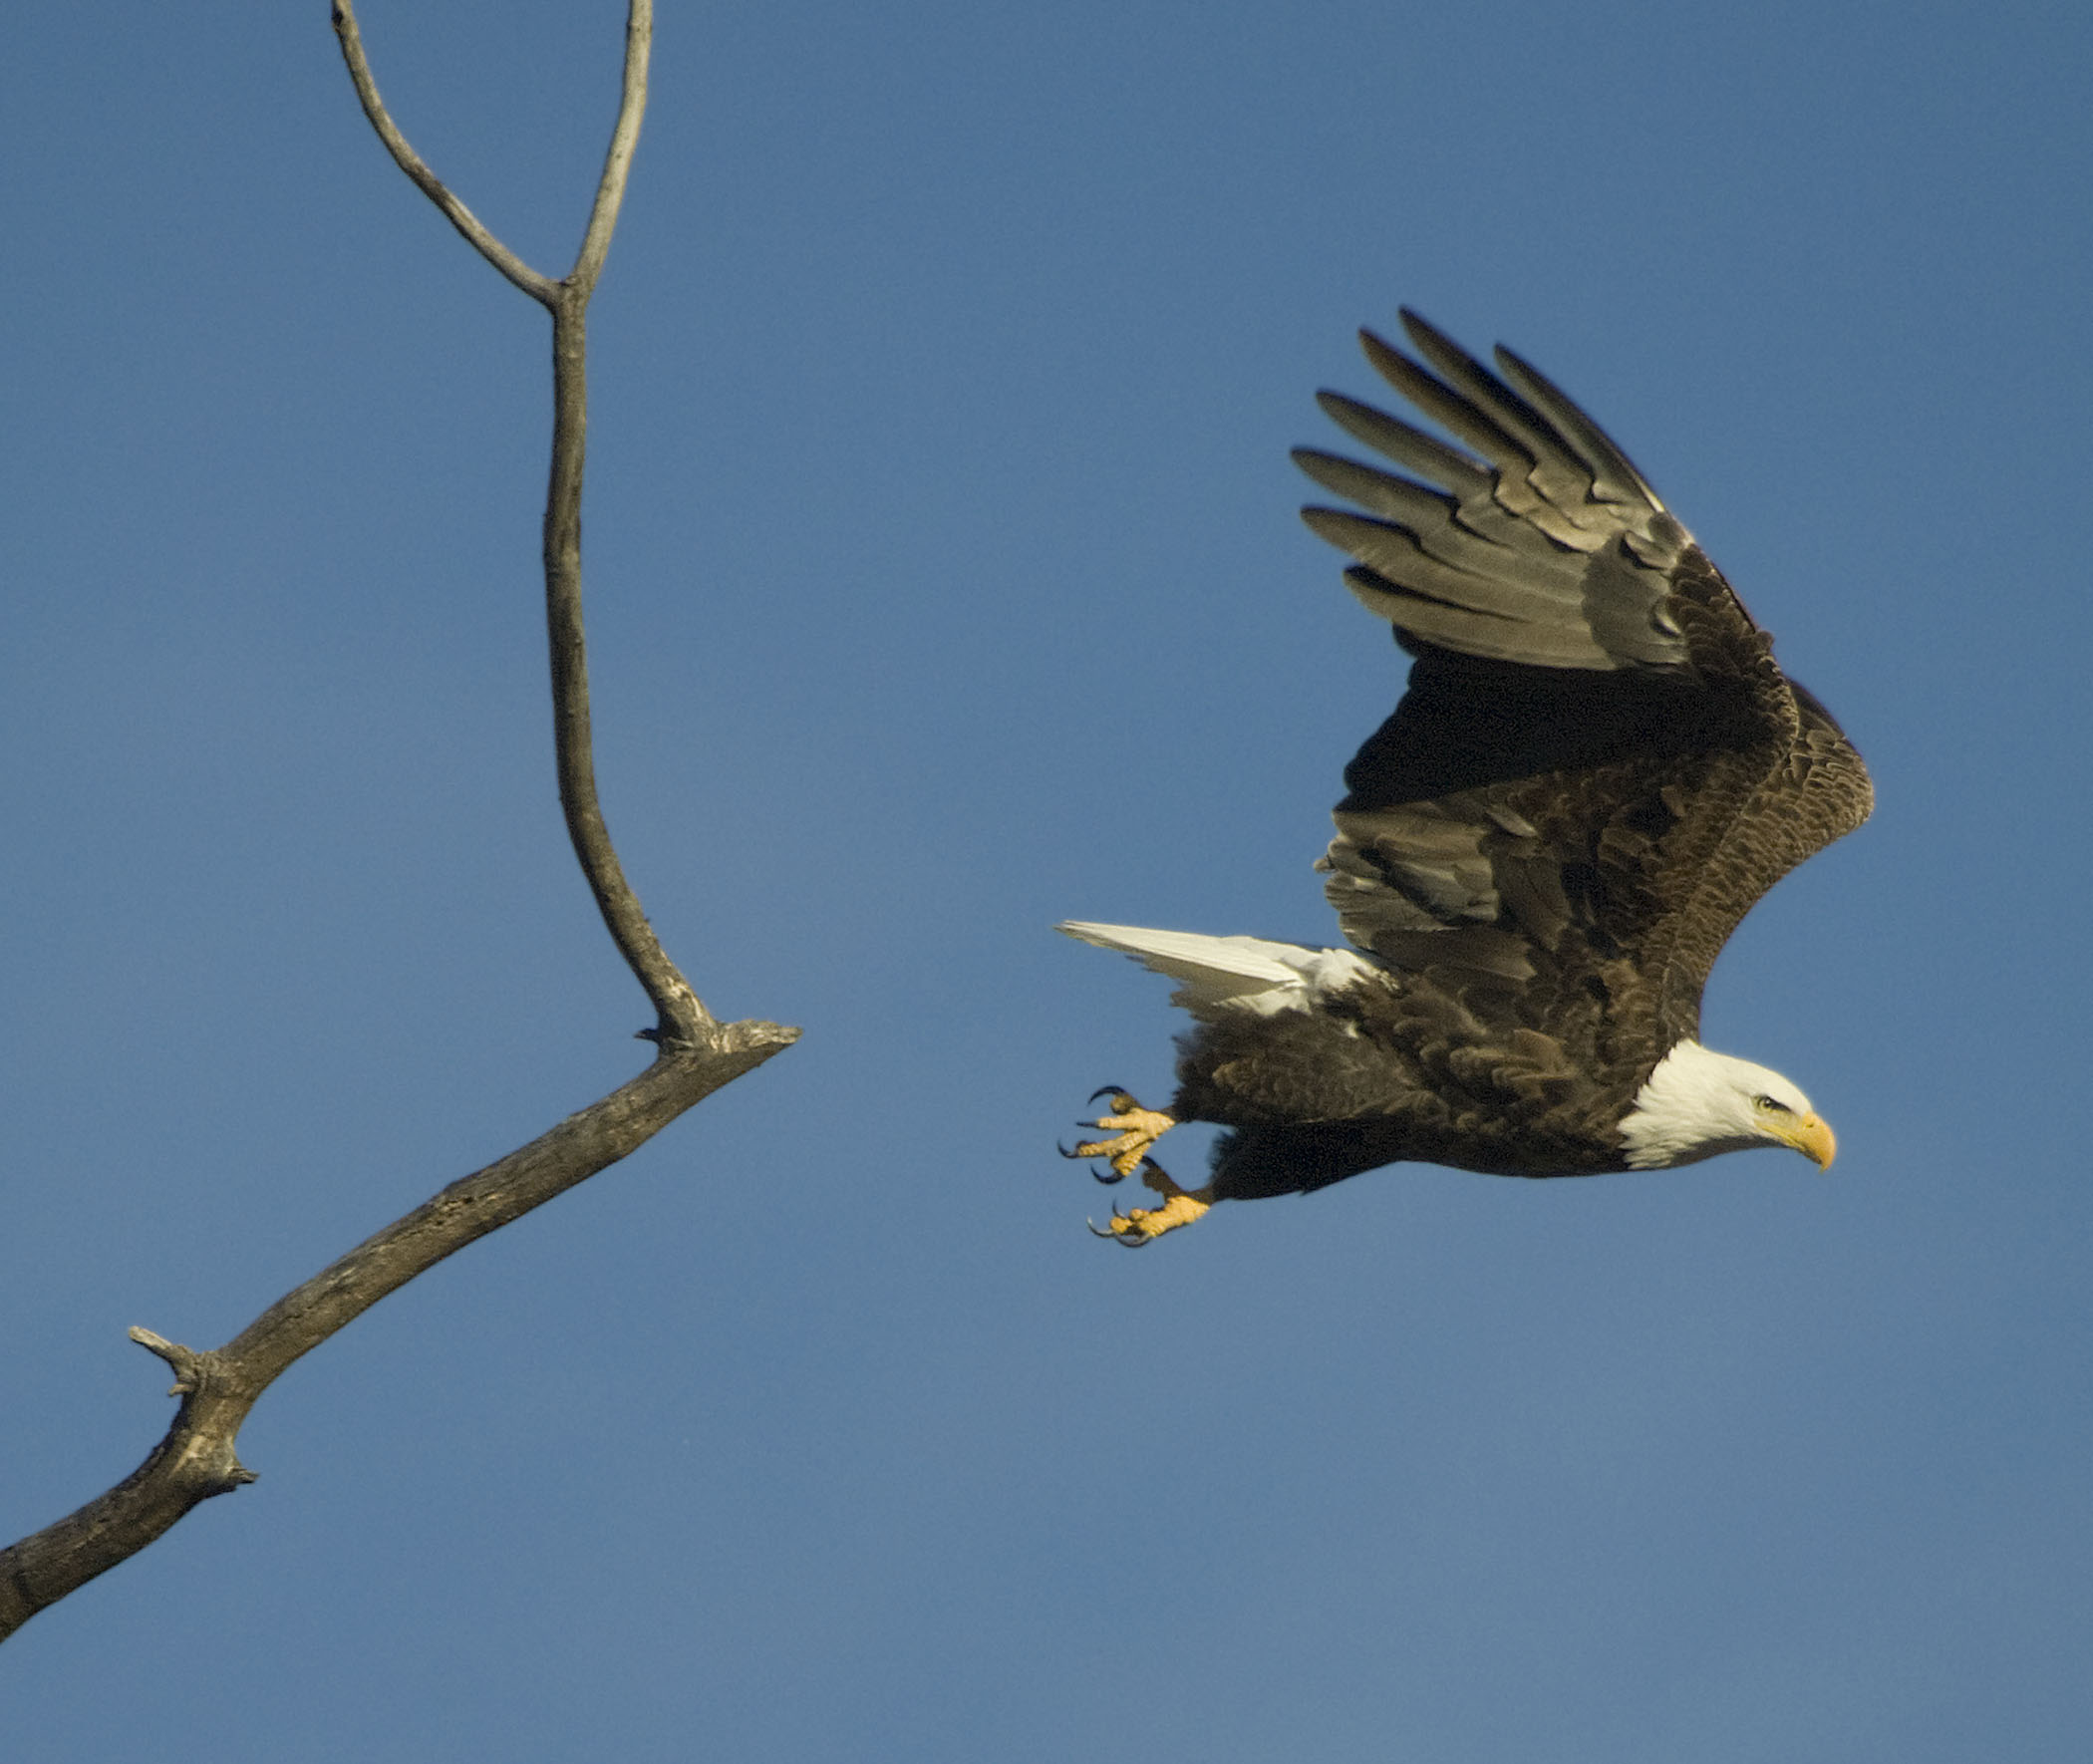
1133,1240
1111,1090
1108,1175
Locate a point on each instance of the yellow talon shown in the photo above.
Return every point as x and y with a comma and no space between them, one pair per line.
1143,1225
1135,1129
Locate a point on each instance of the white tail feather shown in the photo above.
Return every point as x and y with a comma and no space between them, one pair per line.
1239,973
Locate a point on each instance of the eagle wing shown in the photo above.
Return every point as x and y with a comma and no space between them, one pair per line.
1597,769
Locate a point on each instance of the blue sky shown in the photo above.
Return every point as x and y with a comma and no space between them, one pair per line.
945,582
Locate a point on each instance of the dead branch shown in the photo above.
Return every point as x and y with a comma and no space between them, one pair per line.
695,1054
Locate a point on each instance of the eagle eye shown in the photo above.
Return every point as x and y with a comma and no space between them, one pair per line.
1766,1106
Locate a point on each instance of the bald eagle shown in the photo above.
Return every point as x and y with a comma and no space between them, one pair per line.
1595,771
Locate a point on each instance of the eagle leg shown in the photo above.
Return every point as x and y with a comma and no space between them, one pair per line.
1143,1225
1134,1128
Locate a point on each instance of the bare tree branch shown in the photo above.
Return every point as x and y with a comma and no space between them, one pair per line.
476,235
695,1054
681,1015
197,1459
625,135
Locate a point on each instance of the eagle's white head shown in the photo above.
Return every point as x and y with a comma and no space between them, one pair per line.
1699,1103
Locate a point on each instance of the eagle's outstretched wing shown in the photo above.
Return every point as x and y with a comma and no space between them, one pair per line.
1598,769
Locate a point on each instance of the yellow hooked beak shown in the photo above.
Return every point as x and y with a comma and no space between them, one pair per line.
1810,1136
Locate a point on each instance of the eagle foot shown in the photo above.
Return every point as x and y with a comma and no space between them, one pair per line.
1134,1130
1143,1225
